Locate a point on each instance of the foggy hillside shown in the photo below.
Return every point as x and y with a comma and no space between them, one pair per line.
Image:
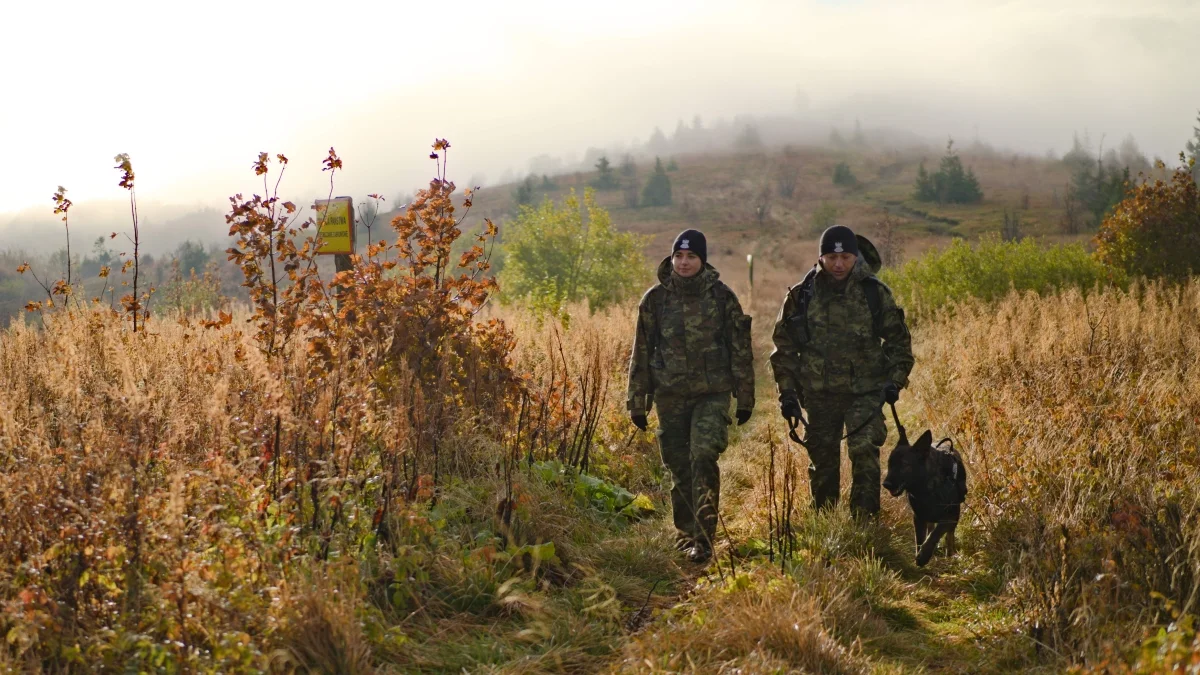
165,225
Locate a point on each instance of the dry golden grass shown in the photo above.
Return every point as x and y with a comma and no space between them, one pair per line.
1080,420
144,523
121,486
759,623
142,527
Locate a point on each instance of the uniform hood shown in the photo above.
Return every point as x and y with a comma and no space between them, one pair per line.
708,275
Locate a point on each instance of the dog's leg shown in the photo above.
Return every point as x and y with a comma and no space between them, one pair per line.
950,540
919,529
931,542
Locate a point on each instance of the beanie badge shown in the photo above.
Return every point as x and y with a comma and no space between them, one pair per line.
837,247
685,244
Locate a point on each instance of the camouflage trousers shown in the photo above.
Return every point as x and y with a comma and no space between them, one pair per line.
692,434
831,416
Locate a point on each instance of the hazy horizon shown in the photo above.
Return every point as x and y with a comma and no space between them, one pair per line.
193,94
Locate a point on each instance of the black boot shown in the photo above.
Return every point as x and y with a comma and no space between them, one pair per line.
701,552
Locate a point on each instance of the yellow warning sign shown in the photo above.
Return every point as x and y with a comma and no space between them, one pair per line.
335,225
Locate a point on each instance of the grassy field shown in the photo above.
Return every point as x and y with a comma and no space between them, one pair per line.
145,529
390,474
719,195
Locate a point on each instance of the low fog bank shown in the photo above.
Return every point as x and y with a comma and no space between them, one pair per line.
165,225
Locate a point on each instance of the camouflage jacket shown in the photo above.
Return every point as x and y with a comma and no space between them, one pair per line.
835,348
692,339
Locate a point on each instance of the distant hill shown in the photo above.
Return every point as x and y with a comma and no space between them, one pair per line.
720,194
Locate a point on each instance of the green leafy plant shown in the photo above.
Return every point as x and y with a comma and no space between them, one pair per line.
991,269
555,255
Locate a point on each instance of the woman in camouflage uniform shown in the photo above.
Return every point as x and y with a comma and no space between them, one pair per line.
691,355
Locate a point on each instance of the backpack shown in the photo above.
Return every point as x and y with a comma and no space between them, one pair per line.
797,323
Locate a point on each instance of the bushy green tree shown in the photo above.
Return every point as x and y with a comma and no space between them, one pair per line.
951,184
1099,188
523,195
657,191
101,256
842,175
1155,231
924,191
556,255
605,177
749,138
1193,149
191,256
628,166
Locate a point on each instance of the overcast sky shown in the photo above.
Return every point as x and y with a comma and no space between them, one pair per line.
194,90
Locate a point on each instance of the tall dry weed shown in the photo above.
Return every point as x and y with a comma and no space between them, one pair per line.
159,486
1079,417
762,622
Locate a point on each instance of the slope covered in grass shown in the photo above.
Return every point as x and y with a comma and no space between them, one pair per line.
721,194
143,530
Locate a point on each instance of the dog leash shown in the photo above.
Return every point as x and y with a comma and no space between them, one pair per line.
793,425
899,427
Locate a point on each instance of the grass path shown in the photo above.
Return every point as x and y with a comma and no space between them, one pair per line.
888,615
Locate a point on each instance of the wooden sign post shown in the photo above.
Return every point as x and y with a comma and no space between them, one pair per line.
335,227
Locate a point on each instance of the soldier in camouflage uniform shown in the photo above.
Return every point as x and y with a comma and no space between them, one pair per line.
691,355
841,359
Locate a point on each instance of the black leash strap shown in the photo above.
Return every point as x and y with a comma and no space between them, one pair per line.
899,427
793,425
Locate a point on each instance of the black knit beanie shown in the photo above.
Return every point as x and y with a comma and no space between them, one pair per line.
838,239
692,240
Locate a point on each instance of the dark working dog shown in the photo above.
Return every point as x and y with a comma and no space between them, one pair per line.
936,482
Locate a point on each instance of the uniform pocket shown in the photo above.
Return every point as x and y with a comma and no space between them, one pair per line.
717,369
743,325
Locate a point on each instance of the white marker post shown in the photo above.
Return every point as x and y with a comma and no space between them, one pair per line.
750,269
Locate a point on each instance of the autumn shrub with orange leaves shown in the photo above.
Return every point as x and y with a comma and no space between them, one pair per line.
168,493
1155,231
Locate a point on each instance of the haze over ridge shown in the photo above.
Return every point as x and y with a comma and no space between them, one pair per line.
193,93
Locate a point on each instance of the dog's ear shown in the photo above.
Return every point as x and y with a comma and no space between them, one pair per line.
925,442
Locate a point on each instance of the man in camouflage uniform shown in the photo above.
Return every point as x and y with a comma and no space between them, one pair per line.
691,354
841,359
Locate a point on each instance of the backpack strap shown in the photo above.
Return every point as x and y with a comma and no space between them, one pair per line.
807,287
871,288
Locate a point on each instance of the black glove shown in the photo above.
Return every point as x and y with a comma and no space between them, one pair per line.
743,416
789,406
891,393
639,420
